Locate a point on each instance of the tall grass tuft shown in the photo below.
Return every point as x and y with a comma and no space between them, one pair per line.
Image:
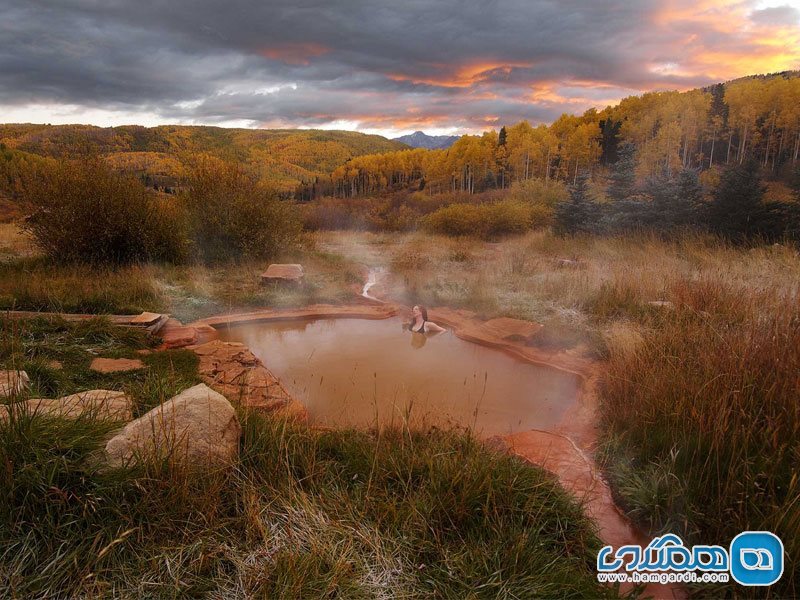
35,285
702,421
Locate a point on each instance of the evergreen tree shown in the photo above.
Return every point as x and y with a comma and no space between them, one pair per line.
688,200
738,211
609,140
501,138
622,179
579,214
675,202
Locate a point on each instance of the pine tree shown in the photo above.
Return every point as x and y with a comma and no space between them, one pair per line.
579,214
501,138
687,201
738,211
675,202
622,179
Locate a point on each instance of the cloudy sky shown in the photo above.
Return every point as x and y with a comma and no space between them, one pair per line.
382,66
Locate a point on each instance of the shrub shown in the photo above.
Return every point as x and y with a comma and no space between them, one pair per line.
538,192
326,214
82,211
482,220
232,215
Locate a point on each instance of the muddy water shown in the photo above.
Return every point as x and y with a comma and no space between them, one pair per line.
356,372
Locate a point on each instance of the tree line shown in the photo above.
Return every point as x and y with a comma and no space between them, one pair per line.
736,208
754,118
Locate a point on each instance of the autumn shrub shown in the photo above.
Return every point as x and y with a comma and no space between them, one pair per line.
538,192
232,215
82,211
486,221
332,214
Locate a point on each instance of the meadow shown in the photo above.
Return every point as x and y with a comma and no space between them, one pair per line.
698,341
684,297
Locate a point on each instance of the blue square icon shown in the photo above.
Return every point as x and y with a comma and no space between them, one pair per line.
756,558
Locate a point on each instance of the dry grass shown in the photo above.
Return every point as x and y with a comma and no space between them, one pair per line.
586,283
702,420
197,291
29,282
15,243
700,409
36,285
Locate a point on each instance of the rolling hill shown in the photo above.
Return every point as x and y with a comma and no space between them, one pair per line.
285,157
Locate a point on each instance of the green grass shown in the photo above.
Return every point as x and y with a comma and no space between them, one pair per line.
33,345
389,514
301,514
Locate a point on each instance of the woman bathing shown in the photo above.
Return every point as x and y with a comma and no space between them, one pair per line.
420,323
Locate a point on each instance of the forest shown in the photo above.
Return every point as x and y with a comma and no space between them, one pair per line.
750,118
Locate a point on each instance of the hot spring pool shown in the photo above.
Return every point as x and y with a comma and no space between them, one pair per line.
356,372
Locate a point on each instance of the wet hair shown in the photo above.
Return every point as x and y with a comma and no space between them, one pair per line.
424,312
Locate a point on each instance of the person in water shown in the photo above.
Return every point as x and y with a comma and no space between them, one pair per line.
420,323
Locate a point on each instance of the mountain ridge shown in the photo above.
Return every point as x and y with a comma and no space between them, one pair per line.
419,139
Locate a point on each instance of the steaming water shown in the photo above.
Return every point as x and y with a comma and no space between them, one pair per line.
352,372
373,276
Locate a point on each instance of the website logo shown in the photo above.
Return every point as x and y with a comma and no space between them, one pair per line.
756,558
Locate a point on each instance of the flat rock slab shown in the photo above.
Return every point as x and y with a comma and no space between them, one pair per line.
116,365
146,318
232,369
175,334
100,404
491,332
196,428
291,273
13,382
314,311
511,329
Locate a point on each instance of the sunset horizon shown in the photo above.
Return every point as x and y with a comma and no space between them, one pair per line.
442,69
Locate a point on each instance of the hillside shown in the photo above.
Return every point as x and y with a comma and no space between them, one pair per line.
285,157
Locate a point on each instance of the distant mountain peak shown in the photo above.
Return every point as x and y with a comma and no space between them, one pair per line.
419,139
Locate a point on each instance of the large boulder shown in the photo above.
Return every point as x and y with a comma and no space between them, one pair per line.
13,382
198,427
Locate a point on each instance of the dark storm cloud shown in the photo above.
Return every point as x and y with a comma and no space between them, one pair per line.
460,63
